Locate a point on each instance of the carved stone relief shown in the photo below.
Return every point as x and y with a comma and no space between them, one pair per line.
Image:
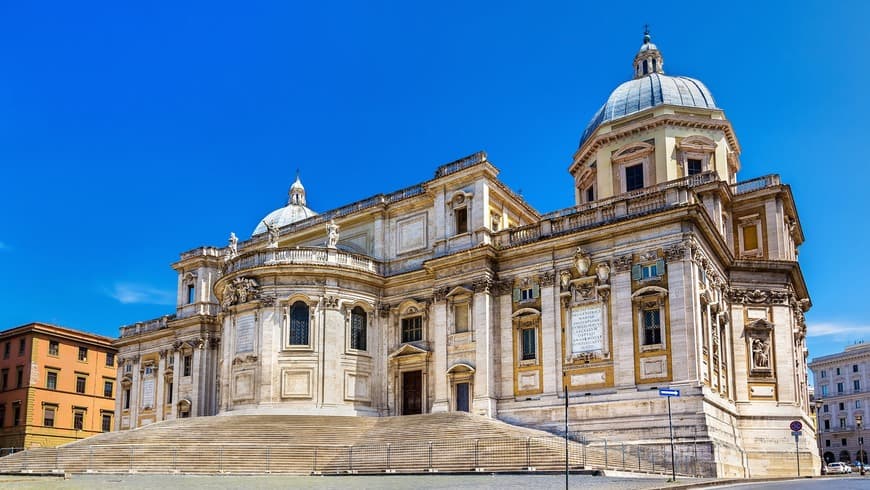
239,290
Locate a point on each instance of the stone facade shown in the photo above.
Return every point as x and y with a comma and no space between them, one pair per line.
841,394
456,294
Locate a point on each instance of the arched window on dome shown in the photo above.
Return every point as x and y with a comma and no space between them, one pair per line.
299,324
358,328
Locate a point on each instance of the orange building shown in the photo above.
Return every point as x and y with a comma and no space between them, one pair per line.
56,385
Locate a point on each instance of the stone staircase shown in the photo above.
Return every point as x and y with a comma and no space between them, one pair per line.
295,444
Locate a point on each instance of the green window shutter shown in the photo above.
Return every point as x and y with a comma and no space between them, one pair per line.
660,267
636,272
536,291
517,296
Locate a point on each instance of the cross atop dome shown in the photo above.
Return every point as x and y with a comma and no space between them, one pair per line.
648,58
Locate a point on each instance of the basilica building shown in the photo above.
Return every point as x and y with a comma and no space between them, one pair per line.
455,294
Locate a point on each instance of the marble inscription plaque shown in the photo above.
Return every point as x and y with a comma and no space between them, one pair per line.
587,329
148,393
245,334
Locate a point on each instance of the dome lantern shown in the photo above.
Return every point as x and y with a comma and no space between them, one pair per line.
648,58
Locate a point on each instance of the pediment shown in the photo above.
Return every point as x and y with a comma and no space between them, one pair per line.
461,367
459,291
408,350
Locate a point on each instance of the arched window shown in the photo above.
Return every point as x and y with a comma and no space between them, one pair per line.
299,323
358,320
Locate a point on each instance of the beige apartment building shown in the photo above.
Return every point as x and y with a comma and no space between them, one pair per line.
455,294
841,394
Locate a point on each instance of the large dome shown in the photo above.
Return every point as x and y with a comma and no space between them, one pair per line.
650,88
294,211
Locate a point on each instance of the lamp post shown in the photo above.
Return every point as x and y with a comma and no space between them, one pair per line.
861,458
818,405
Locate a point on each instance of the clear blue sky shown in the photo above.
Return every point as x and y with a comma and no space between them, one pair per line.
130,132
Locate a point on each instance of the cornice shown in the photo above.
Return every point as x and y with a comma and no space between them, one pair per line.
679,120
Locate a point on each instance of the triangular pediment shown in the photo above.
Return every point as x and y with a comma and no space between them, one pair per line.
408,350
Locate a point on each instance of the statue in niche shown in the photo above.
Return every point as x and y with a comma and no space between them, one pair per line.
234,245
331,234
582,261
273,234
761,353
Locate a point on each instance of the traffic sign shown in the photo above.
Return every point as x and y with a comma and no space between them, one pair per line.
669,392
796,425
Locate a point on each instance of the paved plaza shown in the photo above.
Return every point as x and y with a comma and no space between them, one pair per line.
418,482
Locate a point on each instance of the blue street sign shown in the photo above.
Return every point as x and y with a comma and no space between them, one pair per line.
669,392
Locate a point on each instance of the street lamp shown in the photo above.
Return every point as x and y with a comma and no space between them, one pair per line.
818,402
861,458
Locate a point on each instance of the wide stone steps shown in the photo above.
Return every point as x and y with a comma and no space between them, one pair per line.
285,444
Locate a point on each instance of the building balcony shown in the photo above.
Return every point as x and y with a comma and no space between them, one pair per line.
317,256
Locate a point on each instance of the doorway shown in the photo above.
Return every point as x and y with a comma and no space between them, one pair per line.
462,397
412,392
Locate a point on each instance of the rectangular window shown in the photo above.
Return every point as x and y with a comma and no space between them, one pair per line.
79,420
646,272
187,360
824,373
840,387
80,384
108,386
841,406
854,368
48,416
191,294
4,380
857,403
169,387
107,422
843,442
2,415
19,376
461,220
825,408
856,385
827,443
51,380
110,359
6,349
750,238
652,327
53,347
460,317
21,347
358,331
824,390
83,354
529,345
827,424
842,422
693,165
128,368
838,371
634,177
412,329
590,194
16,414
126,398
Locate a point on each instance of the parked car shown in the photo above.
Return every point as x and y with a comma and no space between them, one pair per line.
838,467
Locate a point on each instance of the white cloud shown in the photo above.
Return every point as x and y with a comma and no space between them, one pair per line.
841,331
129,293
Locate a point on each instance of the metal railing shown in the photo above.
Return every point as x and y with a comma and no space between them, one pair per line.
453,455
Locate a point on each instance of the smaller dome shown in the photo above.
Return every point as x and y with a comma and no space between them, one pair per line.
294,211
647,47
